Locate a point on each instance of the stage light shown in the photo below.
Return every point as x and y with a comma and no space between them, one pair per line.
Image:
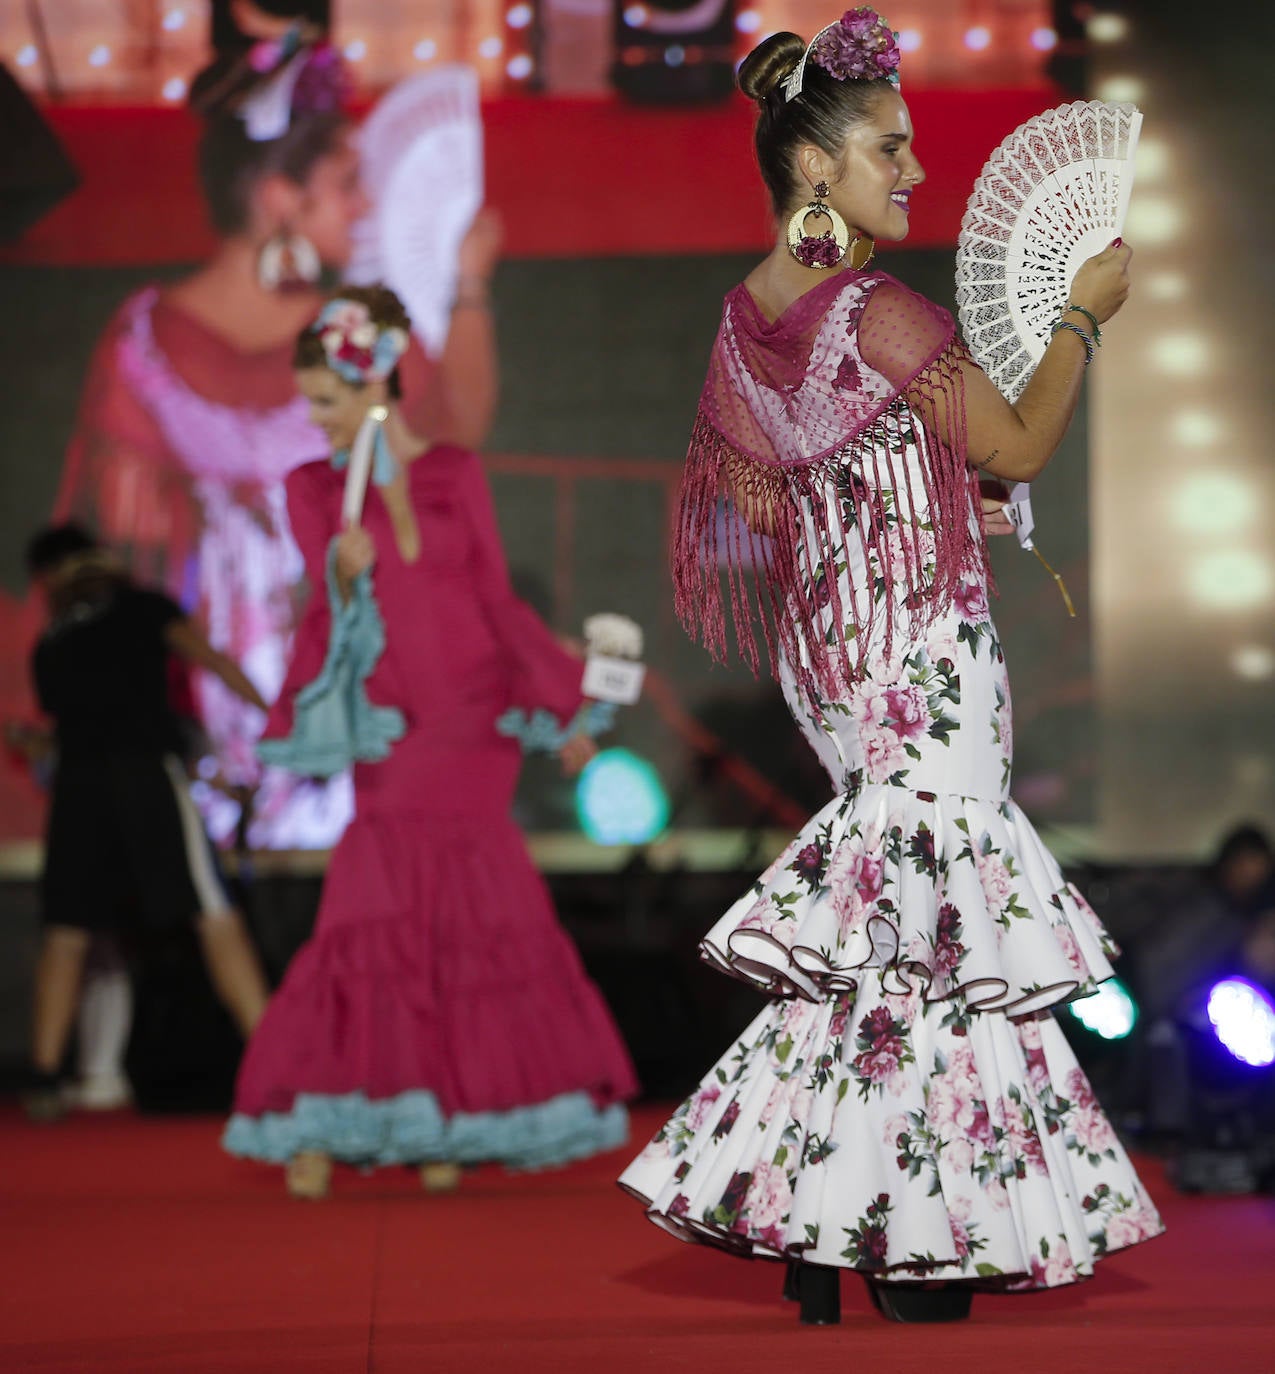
1152,160
1231,580
174,20
27,56
676,51
1107,28
1110,1013
978,38
1120,89
1045,40
748,21
620,799
1197,428
1243,1019
909,40
519,16
425,50
520,67
356,51
1181,355
1153,220
1166,286
100,56
1253,662
490,47
1213,503
174,89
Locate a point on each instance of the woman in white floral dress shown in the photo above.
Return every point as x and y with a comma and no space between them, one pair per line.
907,1106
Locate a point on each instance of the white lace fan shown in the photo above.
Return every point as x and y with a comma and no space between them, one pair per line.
422,165
1053,194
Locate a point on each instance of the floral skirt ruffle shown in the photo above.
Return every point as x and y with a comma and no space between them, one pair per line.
411,1129
943,894
912,1141
908,1106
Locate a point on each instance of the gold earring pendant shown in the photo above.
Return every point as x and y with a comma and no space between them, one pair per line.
818,250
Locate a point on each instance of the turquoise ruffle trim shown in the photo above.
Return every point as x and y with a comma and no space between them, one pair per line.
334,724
541,732
411,1129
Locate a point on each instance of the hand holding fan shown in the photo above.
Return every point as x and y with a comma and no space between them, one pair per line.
1054,194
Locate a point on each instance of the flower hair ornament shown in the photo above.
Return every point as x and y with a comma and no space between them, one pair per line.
860,46
303,77
358,352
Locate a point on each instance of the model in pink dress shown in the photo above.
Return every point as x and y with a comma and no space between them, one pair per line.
439,1013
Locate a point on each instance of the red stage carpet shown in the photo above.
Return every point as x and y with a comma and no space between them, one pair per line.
135,1245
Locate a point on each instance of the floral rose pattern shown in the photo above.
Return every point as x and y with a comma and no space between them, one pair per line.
906,1103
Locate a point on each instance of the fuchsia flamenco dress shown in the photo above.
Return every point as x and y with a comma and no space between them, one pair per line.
439,1012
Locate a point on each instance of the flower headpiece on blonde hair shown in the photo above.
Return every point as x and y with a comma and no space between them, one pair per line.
356,350
860,46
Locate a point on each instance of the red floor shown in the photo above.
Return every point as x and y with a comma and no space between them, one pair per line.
134,1245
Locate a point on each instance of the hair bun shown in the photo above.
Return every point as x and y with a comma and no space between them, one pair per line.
769,63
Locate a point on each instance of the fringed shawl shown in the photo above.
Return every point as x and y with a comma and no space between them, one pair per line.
794,431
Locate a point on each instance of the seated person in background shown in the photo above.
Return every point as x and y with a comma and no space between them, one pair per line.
124,841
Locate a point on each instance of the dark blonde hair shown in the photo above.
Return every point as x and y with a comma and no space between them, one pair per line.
825,111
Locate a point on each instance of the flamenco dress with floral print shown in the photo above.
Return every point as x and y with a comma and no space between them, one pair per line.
906,1106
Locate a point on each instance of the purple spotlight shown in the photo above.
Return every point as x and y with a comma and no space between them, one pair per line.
1243,1019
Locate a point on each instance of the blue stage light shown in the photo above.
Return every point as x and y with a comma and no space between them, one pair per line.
1243,1019
620,799
1111,1012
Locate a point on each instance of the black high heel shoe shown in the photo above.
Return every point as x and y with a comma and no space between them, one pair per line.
914,1302
818,1291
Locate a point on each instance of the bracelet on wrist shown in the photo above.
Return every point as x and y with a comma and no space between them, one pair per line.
1091,317
1080,334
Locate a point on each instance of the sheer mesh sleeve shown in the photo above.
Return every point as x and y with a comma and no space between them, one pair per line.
901,333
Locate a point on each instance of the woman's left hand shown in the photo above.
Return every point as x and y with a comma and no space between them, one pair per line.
995,497
576,752
995,521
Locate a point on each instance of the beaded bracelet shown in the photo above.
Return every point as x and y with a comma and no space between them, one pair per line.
1080,334
1091,317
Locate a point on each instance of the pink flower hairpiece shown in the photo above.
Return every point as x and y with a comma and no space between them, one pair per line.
302,78
860,46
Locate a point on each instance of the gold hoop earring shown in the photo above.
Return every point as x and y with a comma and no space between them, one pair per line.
818,250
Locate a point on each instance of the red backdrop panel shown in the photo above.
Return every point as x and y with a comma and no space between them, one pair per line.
569,177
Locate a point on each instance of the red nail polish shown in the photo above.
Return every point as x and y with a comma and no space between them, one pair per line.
1115,243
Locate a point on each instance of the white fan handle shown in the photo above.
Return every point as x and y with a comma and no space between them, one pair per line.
360,469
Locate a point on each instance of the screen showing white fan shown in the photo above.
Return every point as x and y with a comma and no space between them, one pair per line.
421,152
1053,194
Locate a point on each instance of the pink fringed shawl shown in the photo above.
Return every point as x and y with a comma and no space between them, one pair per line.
794,430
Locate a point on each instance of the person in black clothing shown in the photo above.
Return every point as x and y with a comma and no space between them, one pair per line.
124,841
